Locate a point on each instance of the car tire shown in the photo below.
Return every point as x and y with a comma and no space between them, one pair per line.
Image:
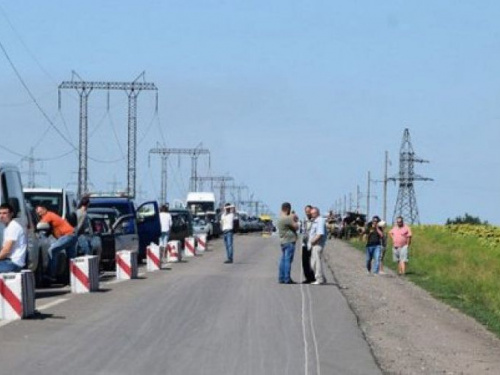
40,281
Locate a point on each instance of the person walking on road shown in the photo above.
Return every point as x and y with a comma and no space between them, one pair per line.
288,225
64,233
83,225
401,240
373,235
227,224
306,252
383,247
317,241
166,224
13,252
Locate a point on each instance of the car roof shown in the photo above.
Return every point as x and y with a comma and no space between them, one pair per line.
110,199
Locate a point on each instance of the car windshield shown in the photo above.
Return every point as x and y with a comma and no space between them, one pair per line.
52,201
122,208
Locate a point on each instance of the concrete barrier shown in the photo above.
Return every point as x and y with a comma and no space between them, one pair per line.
17,295
84,274
173,251
201,242
126,265
153,257
189,247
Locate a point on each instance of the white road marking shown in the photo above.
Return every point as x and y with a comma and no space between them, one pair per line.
313,332
52,304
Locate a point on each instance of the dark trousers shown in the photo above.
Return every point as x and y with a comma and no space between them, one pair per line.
306,265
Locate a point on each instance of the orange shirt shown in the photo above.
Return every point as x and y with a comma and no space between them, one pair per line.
60,227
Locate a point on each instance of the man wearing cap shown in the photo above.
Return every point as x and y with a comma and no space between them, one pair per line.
13,251
227,224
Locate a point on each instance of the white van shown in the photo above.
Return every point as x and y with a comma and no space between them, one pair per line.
11,191
61,201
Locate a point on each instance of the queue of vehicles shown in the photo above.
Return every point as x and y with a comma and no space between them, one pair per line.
115,223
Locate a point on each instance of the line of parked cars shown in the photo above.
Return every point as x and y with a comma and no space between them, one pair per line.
249,224
115,224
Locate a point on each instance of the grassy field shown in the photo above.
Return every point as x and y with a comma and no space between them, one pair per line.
459,265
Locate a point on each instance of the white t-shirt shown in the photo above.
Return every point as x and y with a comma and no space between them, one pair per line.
165,221
14,232
227,221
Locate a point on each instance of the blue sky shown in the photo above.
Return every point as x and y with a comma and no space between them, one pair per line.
298,100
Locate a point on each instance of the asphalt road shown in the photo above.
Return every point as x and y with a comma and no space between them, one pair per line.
199,317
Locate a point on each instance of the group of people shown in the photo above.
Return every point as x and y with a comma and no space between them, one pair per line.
376,245
14,244
313,242
314,228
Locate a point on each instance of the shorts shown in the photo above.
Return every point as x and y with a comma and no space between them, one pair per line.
400,254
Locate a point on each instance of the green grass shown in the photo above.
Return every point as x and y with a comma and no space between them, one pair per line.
459,270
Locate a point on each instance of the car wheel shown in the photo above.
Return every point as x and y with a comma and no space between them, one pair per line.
40,281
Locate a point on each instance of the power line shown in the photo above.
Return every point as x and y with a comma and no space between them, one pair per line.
23,83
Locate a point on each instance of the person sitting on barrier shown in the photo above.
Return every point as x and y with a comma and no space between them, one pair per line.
13,252
64,233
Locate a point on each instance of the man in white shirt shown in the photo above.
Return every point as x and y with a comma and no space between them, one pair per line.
13,252
166,224
227,224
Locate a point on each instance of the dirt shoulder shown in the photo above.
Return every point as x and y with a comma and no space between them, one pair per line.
408,330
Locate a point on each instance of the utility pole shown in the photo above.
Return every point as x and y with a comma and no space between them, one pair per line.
385,184
368,197
84,88
194,153
238,189
406,204
222,180
32,173
358,197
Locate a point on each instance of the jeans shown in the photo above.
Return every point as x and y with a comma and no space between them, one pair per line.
67,243
84,245
228,241
287,251
7,265
164,238
373,252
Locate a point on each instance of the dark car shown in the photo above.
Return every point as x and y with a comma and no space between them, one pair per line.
143,221
182,225
113,229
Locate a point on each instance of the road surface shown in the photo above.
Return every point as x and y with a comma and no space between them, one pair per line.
199,317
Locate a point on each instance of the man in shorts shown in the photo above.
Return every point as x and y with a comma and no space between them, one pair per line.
401,240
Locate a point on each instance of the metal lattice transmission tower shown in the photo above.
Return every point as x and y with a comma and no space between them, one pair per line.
194,153
406,204
32,172
238,189
222,185
132,89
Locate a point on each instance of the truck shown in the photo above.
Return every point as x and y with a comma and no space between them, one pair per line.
202,205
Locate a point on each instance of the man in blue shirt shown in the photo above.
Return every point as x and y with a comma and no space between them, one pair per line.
317,241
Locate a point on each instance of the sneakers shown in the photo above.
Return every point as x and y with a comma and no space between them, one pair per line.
228,261
318,282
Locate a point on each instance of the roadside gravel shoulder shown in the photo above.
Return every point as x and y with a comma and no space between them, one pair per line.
408,330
